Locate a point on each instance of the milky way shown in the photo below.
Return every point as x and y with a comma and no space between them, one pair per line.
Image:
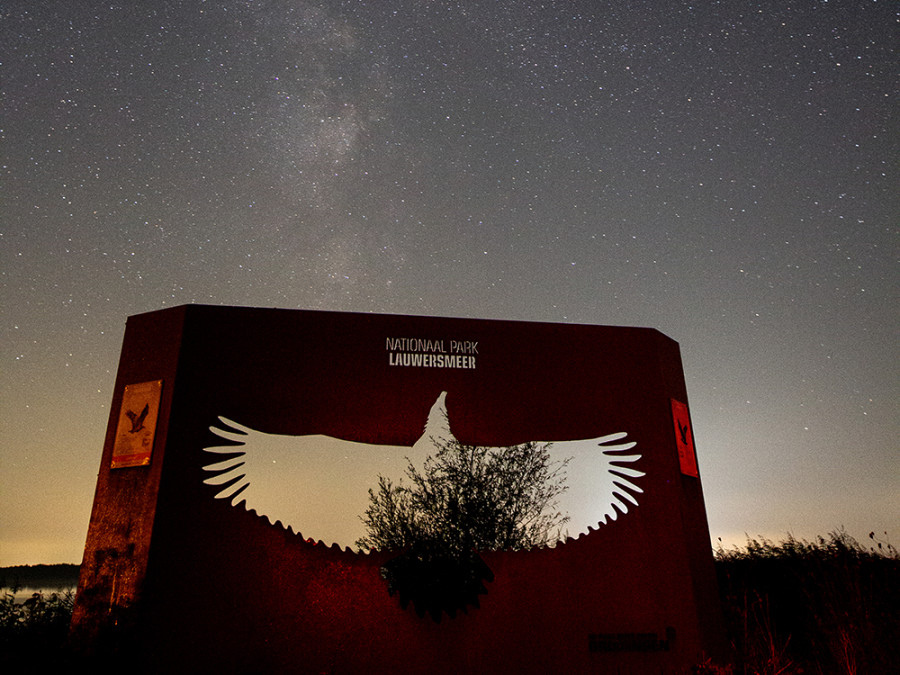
722,171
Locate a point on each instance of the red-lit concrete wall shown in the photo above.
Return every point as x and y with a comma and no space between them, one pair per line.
198,585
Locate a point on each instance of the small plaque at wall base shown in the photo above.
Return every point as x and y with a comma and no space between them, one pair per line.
137,424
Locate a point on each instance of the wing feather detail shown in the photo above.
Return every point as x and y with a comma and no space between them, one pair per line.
600,485
318,485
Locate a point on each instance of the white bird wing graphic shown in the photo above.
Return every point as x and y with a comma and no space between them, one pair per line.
599,484
319,484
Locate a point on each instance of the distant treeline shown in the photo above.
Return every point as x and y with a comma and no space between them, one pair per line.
39,576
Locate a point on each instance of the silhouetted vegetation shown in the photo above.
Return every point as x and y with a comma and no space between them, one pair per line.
33,632
466,499
828,606
469,498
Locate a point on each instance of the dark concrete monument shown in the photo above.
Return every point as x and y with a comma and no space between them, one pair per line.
239,453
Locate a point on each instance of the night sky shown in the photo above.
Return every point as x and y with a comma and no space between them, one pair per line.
722,171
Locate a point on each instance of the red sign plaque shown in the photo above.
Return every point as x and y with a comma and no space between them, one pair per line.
684,438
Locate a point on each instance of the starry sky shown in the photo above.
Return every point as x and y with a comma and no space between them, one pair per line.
722,171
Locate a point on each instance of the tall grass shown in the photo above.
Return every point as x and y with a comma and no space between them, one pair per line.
827,606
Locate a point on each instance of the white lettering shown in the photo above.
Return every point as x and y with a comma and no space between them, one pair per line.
415,345
428,353
419,360
463,347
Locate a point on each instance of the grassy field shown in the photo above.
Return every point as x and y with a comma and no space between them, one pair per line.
828,606
817,608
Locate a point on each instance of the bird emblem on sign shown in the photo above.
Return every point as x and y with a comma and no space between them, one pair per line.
137,420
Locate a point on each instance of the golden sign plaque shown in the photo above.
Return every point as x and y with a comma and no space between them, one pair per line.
137,424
